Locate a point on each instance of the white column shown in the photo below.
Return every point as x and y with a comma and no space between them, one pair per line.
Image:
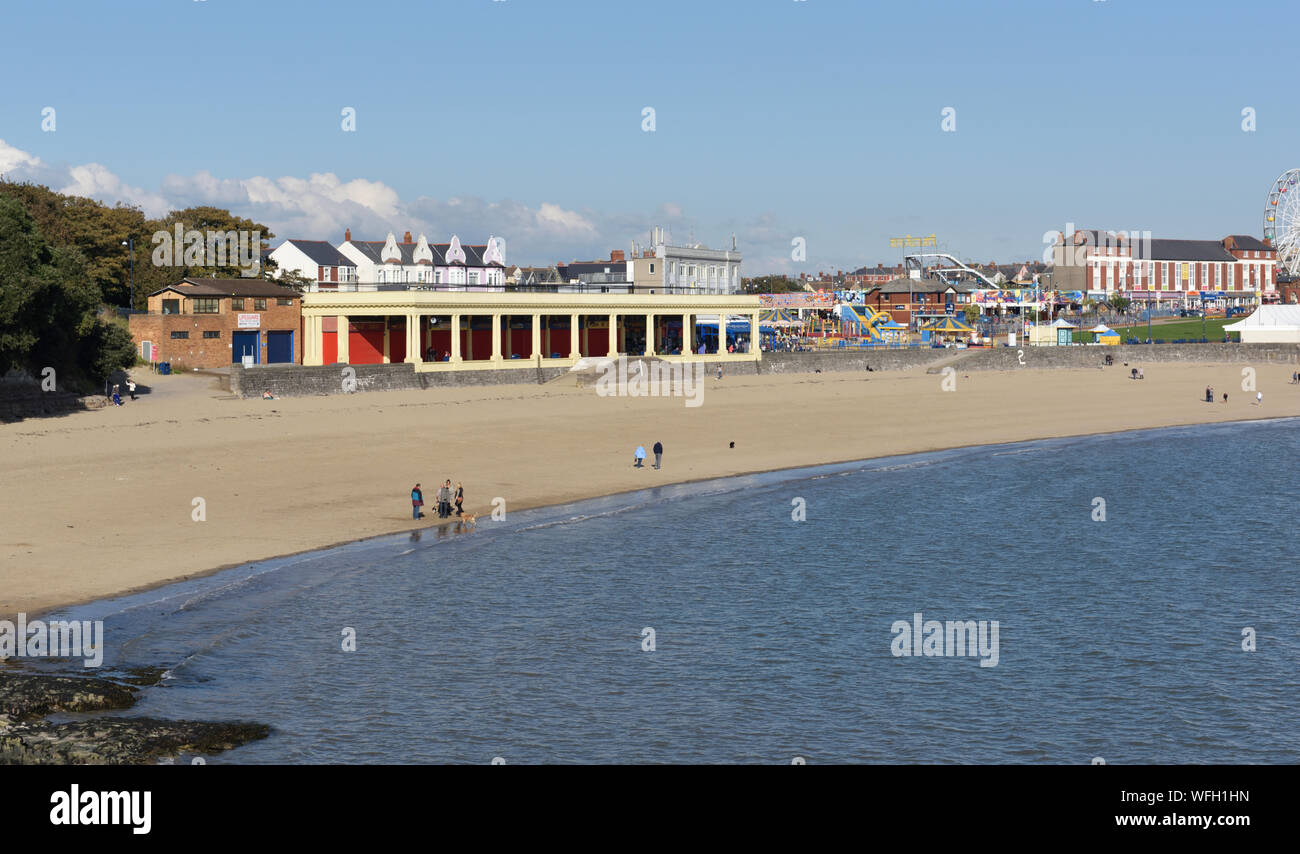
537,337
342,338
455,338
496,336
573,336
649,334
613,335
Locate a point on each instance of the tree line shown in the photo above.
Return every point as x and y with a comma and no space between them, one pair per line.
63,262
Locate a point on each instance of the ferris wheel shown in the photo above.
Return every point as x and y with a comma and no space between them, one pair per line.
1282,221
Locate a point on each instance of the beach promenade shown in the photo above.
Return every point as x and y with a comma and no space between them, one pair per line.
102,502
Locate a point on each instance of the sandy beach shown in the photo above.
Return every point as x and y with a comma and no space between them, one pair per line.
100,503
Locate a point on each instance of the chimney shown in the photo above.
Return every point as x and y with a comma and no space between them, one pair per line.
407,237
617,255
347,235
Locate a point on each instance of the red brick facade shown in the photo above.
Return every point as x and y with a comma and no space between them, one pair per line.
181,329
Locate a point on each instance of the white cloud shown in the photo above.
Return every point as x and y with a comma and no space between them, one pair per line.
322,205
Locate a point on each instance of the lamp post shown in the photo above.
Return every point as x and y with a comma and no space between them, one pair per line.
130,242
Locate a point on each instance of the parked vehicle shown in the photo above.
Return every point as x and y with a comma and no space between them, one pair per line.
1236,310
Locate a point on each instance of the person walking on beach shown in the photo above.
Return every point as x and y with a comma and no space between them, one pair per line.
130,388
460,499
1259,398
1225,397
638,456
444,500
417,501
1209,395
659,453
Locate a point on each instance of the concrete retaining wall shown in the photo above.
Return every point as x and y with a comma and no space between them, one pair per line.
1008,358
298,380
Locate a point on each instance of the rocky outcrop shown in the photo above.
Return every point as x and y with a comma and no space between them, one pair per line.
27,739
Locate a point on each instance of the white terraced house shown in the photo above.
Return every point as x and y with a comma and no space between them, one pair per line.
419,264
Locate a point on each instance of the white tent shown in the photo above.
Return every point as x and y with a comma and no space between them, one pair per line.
1062,323
1100,328
1270,324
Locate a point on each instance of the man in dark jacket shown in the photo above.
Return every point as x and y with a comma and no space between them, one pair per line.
659,453
444,500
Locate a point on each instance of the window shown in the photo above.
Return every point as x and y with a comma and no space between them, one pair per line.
1218,275
652,269
171,306
206,305
259,305
473,278
1205,274
284,301
181,334
237,304
211,333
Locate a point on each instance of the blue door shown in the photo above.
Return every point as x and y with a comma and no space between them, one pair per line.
244,344
279,347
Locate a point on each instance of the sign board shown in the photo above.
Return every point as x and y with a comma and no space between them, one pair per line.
250,321
948,307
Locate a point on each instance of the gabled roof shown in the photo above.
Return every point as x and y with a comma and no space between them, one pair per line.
373,250
321,252
229,288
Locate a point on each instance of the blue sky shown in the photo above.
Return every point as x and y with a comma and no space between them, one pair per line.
774,119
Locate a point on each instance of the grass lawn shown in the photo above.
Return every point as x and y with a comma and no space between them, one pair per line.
1186,328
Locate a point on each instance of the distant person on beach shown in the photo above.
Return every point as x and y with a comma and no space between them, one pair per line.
130,388
659,453
1209,395
719,371
638,456
460,499
444,500
1225,397
417,501
117,398
1259,398
266,395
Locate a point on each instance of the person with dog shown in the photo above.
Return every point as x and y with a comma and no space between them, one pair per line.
460,499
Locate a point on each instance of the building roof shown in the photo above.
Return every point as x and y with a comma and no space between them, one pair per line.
229,288
1188,250
918,286
373,249
1247,243
322,252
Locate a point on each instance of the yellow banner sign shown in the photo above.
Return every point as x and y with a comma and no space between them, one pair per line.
909,240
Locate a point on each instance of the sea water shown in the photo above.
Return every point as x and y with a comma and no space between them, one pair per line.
1144,587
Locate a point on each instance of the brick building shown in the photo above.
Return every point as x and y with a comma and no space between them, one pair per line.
211,323
1236,271
921,299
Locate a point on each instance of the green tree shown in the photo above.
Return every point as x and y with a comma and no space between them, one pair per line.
48,306
972,312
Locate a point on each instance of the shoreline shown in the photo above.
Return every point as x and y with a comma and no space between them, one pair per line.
352,459
207,573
